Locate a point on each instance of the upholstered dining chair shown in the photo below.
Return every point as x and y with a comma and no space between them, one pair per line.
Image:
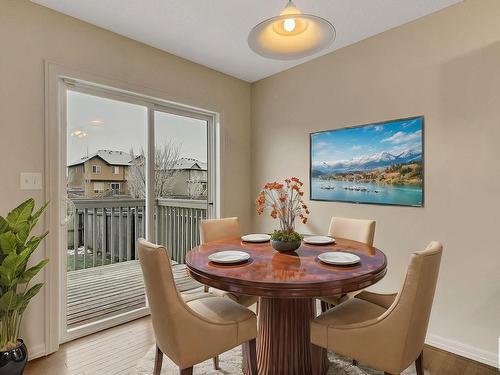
218,229
385,331
192,332
352,229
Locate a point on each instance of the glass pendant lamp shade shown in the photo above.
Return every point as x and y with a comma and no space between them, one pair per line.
291,35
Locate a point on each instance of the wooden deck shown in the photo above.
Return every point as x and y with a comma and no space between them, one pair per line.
101,292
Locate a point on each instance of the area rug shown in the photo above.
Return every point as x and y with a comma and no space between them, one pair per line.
230,364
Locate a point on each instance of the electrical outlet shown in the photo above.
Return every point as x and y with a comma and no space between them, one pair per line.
31,181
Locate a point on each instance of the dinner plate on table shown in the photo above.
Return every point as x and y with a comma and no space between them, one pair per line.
319,240
229,257
339,258
257,237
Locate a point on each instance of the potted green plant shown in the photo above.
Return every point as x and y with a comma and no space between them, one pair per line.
285,200
16,248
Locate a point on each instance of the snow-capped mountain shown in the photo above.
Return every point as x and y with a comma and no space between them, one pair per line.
410,155
366,163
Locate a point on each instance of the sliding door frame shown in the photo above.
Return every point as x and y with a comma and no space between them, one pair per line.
58,81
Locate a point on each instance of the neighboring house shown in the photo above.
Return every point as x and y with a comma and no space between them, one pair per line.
190,179
103,173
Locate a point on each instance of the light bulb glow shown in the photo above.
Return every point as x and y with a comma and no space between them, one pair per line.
289,24
79,134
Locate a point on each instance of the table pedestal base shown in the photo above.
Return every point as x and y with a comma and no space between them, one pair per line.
283,342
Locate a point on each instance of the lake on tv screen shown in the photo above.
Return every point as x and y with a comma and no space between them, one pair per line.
363,192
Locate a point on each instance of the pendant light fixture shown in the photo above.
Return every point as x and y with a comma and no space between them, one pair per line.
291,35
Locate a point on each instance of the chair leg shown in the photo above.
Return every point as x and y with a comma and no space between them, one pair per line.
216,362
158,361
419,364
186,371
324,306
249,348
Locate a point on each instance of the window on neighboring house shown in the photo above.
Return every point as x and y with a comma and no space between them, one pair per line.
96,169
98,187
115,186
115,170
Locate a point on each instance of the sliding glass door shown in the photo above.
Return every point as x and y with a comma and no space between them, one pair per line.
181,183
135,167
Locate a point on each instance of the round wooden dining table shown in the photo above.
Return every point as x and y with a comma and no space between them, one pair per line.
287,284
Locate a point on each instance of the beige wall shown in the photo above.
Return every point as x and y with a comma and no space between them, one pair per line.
30,34
447,67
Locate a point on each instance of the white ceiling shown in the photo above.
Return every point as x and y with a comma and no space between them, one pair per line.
214,32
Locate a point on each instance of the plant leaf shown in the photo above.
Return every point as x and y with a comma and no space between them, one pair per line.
37,214
9,268
27,275
30,247
25,230
23,300
4,280
10,264
4,225
19,216
8,301
8,242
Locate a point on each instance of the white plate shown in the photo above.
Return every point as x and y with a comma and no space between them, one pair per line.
256,238
339,258
229,256
319,240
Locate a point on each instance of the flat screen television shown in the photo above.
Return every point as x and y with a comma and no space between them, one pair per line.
378,163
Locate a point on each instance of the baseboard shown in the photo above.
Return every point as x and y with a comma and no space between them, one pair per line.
36,351
463,350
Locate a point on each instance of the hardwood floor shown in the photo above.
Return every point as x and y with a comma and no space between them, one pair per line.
116,351
440,362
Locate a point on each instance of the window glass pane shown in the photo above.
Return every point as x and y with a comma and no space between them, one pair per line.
181,183
104,137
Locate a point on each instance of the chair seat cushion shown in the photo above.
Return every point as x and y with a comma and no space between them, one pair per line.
194,294
352,311
246,301
221,310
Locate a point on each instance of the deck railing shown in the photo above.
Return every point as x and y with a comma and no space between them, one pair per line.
105,231
177,225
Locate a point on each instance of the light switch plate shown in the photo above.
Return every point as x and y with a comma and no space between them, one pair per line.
31,181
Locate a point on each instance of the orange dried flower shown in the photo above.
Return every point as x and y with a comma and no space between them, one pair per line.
284,204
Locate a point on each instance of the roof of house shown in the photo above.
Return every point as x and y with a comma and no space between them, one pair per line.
109,156
124,158
189,163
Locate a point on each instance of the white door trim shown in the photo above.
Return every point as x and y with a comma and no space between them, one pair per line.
57,77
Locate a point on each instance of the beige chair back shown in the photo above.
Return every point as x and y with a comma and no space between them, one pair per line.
218,229
353,229
394,339
168,310
411,310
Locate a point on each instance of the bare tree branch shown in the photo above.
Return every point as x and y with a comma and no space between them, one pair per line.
166,156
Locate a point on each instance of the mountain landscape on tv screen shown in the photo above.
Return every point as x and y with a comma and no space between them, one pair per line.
367,163
375,163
